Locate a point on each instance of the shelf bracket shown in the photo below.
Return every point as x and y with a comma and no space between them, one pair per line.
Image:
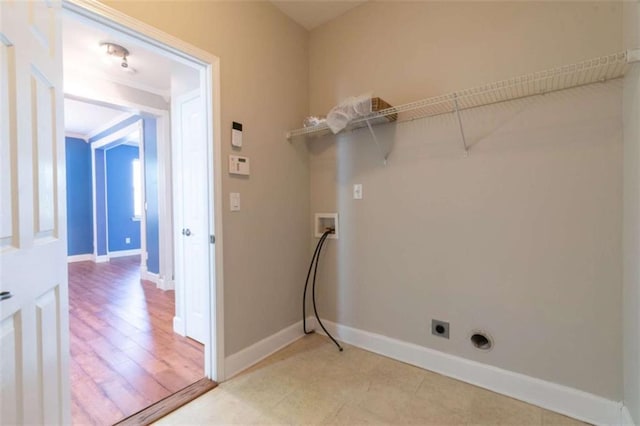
457,111
633,55
375,139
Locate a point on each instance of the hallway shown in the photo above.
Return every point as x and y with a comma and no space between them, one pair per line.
124,353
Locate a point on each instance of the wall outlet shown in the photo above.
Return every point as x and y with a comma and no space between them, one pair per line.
440,328
127,240
234,201
357,191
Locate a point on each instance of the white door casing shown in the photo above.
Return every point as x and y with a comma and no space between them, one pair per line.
209,66
34,337
191,201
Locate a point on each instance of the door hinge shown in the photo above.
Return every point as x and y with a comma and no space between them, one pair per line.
212,239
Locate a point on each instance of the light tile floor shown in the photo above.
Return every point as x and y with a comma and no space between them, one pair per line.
310,382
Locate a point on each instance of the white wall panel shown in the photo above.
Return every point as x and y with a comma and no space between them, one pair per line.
8,189
44,141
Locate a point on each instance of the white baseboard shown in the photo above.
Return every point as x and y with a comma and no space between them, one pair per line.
253,354
562,399
179,327
165,284
80,258
123,253
626,419
149,276
169,284
101,259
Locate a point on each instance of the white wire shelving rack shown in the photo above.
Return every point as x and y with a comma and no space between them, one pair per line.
592,71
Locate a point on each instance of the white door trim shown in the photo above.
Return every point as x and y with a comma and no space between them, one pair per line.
179,50
118,134
165,203
97,257
179,323
143,181
102,143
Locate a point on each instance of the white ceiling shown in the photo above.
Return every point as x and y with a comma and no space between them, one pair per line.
84,57
85,61
313,13
83,120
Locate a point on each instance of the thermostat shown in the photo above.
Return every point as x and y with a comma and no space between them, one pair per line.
238,165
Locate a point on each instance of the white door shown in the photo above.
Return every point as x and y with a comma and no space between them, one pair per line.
192,215
34,338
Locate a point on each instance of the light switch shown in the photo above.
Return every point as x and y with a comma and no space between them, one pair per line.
234,200
357,191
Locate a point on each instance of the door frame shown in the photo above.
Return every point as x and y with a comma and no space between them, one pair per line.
164,278
209,66
104,144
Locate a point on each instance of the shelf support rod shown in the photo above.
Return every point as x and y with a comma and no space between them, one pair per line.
457,110
375,139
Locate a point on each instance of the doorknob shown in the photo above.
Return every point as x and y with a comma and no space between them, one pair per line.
5,295
186,232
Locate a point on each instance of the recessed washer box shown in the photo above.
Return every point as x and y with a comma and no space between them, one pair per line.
326,220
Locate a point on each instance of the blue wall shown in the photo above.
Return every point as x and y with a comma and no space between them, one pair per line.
114,160
151,193
101,205
79,197
120,198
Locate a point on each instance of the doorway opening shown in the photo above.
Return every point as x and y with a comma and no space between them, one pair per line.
147,298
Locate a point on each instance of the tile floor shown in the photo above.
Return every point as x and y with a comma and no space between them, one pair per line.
310,382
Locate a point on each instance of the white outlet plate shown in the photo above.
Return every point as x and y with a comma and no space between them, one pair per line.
234,201
357,191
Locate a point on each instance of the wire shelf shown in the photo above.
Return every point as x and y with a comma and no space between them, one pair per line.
566,77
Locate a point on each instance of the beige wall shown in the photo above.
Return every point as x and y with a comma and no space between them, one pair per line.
264,77
631,111
524,237
405,51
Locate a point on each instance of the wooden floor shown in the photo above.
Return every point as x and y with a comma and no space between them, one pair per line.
124,353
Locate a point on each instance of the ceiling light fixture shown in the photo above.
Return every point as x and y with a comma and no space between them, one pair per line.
118,52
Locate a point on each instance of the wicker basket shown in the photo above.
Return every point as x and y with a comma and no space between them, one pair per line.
378,104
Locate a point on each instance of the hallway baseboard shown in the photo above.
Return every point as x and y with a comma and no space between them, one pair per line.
80,258
123,253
